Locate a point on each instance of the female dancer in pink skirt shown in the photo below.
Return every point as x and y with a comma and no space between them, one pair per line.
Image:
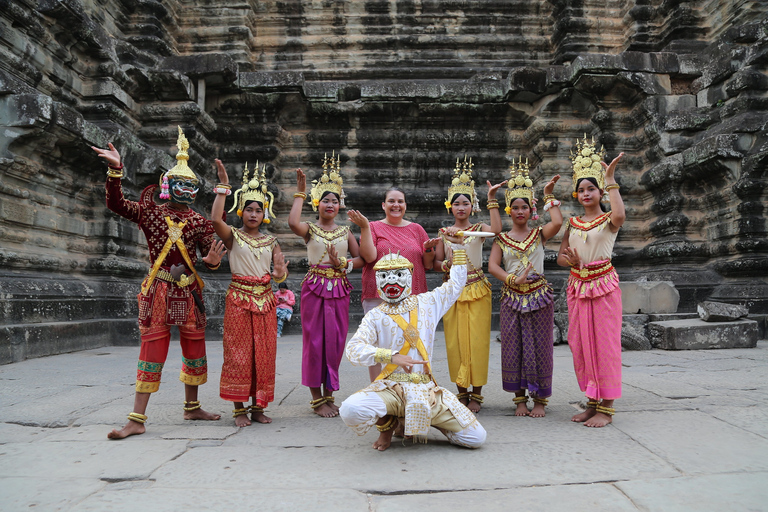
594,297
325,289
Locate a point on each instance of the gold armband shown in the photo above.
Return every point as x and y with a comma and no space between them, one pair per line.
383,356
302,195
342,264
492,205
510,280
460,257
612,186
280,279
114,173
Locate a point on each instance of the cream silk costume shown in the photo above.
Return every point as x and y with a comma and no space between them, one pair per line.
423,404
467,324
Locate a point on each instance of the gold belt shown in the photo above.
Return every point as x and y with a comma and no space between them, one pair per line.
167,276
526,288
591,273
328,272
254,289
416,378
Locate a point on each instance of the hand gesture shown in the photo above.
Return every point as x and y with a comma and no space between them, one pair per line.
110,155
279,265
549,187
572,256
610,169
222,172
333,255
407,362
492,189
301,181
215,253
523,278
357,218
432,242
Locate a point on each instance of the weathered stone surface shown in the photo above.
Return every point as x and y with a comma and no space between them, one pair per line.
649,297
697,334
400,89
721,312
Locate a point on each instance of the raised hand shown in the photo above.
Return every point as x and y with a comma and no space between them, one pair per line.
333,255
222,172
110,155
216,252
573,258
279,265
432,242
610,169
492,189
357,218
523,278
550,186
301,181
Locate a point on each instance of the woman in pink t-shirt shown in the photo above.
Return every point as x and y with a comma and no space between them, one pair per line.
395,234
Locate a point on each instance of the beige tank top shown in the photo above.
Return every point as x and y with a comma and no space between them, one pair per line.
592,240
319,239
251,256
472,244
517,254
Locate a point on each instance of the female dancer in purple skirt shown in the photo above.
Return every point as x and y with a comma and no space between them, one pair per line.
527,309
325,289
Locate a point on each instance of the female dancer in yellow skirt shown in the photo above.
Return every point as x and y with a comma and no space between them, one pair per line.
468,323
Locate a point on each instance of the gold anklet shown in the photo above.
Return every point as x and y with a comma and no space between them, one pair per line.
520,400
317,403
389,425
255,408
610,411
542,401
330,399
591,404
138,418
461,396
477,398
239,412
192,406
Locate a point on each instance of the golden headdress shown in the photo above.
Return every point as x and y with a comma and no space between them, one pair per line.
587,163
330,181
519,184
393,261
181,169
254,189
462,183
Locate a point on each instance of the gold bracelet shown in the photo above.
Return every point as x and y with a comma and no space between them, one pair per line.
383,356
492,205
460,257
112,173
612,186
223,185
444,266
342,263
302,195
280,279
510,280
548,196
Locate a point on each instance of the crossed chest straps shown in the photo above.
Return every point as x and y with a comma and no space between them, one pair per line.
175,232
412,340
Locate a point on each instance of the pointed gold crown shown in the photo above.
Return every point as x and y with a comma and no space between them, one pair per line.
181,169
519,184
330,181
462,183
254,189
587,163
393,261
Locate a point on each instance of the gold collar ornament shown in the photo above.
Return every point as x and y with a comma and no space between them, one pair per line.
255,189
587,163
181,170
330,181
462,183
520,185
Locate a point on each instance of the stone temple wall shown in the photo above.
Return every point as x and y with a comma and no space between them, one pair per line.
401,88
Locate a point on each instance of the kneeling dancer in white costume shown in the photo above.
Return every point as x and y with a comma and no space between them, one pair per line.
400,334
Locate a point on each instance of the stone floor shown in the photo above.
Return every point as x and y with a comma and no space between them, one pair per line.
691,433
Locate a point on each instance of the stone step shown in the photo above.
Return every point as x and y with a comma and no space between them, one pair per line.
665,317
693,334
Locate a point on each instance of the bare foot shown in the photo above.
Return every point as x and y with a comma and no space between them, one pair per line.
538,411
132,428
474,406
199,414
260,417
598,420
326,411
333,406
522,410
584,416
242,420
384,440
464,400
